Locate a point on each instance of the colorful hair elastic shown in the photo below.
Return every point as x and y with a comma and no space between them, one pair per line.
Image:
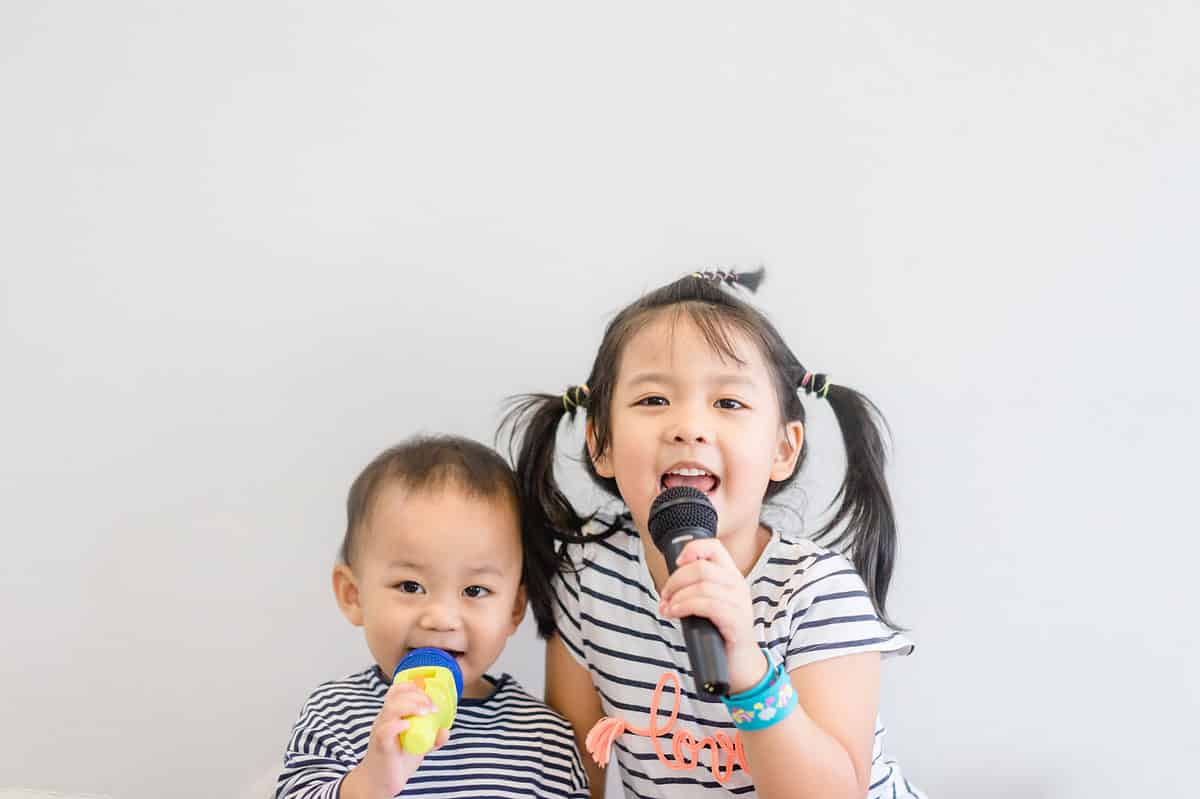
815,383
575,397
748,280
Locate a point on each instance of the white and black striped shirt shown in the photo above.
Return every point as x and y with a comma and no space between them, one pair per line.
809,604
507,745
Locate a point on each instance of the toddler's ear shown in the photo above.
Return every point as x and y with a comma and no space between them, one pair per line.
787,451
345,590
602,465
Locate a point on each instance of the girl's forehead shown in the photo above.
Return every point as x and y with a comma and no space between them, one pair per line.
675,343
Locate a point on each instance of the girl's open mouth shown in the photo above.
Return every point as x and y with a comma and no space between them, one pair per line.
693,477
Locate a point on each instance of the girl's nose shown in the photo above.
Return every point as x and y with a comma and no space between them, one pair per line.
687,436
688,427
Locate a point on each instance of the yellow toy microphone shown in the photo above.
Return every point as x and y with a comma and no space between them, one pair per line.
437,674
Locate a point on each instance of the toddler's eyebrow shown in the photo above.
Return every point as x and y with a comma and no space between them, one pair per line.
484,568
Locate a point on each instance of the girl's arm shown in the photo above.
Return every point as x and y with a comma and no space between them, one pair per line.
570,691
823,749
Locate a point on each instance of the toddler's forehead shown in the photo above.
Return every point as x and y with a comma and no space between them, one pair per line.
408,513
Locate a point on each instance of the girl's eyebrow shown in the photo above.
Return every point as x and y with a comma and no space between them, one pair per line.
651,377
723,379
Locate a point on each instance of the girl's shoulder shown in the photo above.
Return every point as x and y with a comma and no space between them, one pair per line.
608,533
791,558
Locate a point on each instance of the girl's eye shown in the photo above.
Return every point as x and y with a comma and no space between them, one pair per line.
476,591
410,587
653,401
729,404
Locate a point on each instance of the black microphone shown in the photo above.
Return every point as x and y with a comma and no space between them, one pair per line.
679,515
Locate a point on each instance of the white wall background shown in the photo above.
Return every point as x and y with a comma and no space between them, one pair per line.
245,246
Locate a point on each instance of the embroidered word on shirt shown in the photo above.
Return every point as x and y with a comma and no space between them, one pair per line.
684,746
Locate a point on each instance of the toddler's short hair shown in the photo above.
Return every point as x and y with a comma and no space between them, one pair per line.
423,463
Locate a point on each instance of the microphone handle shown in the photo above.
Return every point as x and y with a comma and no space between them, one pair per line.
705,646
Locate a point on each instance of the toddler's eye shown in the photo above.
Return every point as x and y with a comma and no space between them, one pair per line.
655,401
476,591
729,404
410,587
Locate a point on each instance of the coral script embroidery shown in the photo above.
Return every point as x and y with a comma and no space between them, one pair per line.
725,753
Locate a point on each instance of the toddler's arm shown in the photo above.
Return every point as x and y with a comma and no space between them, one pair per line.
317,766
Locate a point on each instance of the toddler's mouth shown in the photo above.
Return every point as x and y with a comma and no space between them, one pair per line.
692,476
457,654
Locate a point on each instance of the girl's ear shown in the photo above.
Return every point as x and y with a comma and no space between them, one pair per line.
602,465
345,590
519,606
787,451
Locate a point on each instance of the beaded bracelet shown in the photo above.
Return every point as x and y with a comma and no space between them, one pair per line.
768,703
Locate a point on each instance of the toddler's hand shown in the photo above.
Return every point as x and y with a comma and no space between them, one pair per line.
386,768
707,583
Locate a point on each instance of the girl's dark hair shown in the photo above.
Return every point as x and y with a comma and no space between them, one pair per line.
863,525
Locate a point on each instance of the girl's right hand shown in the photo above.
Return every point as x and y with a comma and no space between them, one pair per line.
386,768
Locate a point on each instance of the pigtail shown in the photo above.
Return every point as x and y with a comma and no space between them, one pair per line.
548,519
865,516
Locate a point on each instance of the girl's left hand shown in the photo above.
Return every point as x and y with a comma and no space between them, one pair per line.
708,583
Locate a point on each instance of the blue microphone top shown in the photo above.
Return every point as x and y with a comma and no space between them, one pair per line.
429,656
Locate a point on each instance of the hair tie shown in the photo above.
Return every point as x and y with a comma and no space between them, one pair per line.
575,397
815,383
748,280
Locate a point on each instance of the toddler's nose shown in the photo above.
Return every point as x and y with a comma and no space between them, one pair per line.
440,616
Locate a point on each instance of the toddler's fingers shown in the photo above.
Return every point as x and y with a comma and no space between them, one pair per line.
387,731
406,703
403,687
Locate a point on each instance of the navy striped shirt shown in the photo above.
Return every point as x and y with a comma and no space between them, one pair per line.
507,745
809,604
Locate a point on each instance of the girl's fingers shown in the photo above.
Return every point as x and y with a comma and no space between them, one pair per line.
716,611
700,571
705,549
711,593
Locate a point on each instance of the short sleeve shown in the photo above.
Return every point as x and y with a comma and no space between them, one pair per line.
832,615
566,588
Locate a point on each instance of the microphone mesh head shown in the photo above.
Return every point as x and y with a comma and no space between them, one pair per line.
429,656
681,507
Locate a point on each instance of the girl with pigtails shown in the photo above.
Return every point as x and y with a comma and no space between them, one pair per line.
692,386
